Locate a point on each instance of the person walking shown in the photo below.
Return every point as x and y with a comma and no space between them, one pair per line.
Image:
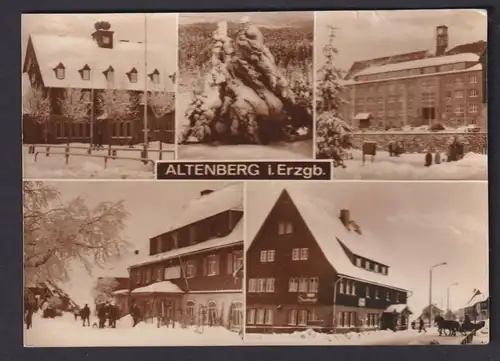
101,315
421,325
437,157
85,315
136,314
112,315
28,316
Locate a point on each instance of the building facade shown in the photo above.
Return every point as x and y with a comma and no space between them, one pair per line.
193,273
442,87
94,66
304,270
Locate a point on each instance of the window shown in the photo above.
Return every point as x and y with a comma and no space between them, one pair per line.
237,261
304,253
367,265
429,70
270,284
132,75
159,274
261,285
312,315
60,73
302,319
86,74
459,109
190,310
303,284
190,268
192,234
313,284
473,93
348,287
268,318
473,79
292,317
358,261
473,108
295,254
367,293
251,316
397,297
377,294
388,296
341,287
138,277
261,313
175,239
155,78
459,94
148,275
353,288
293,285
212,265
459,82
285,227
106,40
376,268
346,319
252,285
267,256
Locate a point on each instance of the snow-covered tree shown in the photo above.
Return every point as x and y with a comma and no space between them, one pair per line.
332,132
38,105
75,106
117,104
59,235
103,289
161,103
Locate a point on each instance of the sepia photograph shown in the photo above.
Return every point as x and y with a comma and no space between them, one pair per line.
133,263
356,263
402,94
245,88
98,94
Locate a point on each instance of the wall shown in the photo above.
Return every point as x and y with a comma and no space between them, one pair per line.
421,141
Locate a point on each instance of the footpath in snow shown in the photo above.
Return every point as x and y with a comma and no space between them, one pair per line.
66,332
411,167
54,165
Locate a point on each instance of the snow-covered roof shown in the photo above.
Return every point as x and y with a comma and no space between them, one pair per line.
322,219
421,63
234,238
227,198
158,287
121,292
477,298
76,52
362,116
397,308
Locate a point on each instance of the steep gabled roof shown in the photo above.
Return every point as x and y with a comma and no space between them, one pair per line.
76,52
322,220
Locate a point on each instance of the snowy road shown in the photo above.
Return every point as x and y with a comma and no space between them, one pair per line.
411,167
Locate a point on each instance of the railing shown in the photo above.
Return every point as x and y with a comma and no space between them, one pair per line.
105,157
89,149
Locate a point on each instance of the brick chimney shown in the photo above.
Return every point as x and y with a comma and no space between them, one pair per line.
102,35
206,192
345,218
441,39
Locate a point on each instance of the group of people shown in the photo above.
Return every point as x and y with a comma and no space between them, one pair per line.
105,311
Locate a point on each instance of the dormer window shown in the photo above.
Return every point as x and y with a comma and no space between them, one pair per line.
285,227
60,71
132,75
106,39
109,74
155,76
85,72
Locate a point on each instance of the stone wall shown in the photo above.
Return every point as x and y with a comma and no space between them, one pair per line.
419,142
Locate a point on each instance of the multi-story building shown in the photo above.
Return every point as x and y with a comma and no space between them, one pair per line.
418,88
193,273
311,265
100,62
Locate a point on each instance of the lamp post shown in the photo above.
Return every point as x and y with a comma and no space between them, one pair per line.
146,135
448,295
430,289
334,316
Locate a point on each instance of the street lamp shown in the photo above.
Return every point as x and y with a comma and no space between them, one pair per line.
448,295
430,289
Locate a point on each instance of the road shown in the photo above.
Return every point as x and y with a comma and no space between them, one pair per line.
412,337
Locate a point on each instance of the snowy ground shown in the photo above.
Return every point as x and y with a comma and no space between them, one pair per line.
281,151
411,167
54,165
369,338
66,332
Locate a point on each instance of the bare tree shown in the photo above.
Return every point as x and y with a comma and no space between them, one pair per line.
37,103
75,106
104,288
59,235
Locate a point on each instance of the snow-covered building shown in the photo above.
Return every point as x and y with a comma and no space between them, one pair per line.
420,88
93,65
312,265
193,272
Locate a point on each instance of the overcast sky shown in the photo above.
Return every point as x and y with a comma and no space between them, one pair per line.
162,28
419,225
288,18
152,207
363,35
